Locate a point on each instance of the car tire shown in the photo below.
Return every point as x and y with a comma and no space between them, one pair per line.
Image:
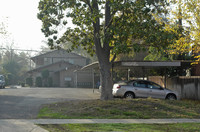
129,95
171,97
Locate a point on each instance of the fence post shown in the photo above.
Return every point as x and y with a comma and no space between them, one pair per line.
182,87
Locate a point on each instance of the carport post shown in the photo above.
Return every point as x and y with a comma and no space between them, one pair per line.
129,74
112,72
143,73
93,79
165,77
76,79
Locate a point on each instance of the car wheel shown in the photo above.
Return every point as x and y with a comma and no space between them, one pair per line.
129,95
171,97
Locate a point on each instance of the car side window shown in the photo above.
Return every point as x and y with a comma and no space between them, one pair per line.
153,86
140,84
2,78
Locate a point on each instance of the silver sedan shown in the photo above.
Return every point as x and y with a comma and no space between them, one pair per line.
143,89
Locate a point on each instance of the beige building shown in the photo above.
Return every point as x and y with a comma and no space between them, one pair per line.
63,68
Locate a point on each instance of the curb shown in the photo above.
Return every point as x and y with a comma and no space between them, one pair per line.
94,121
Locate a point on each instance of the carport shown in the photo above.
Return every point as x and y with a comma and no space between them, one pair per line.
128,65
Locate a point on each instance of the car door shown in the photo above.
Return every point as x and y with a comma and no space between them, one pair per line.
155,90
141,89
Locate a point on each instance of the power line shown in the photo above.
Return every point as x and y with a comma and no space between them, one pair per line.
21,50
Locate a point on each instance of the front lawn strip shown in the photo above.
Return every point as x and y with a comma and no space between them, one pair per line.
121,109
182,127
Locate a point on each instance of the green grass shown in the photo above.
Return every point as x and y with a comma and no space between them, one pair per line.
182,127
121,109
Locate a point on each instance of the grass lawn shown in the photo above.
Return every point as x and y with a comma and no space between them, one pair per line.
121,109
183,127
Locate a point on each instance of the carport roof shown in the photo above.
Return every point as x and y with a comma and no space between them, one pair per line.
145,64
94,65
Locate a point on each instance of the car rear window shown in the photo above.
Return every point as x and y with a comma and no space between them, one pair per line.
126,82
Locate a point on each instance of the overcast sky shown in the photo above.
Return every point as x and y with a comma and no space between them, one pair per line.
23,24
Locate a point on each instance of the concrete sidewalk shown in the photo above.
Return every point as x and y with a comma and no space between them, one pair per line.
15,125
85,121
28,125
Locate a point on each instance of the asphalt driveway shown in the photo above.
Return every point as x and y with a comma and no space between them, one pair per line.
24,103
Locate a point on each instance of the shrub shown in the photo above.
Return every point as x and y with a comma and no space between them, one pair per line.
50,82
45,77
38,82
29,81
22,84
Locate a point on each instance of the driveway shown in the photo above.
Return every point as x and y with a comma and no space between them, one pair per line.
24,103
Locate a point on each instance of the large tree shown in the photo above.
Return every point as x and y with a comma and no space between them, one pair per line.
104,27
14,65
184,20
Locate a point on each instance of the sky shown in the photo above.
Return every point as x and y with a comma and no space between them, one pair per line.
22,22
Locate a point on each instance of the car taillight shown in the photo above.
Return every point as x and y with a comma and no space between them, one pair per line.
118,86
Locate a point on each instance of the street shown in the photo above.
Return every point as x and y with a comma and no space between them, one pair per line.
24,103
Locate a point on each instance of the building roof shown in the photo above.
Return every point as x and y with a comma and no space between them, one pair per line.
50,52
46,66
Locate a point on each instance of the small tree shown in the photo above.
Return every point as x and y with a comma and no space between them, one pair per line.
12,70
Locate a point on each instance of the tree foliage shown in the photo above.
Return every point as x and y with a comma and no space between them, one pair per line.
185,22
129,20
14,66
3,27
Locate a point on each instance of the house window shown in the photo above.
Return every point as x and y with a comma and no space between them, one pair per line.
68,79
47,61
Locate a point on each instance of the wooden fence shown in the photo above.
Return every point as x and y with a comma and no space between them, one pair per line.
187,87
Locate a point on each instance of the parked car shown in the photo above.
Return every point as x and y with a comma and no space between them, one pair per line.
2,81
143,89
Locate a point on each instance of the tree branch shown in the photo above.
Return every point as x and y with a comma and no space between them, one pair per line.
112,17
111,20
96,26
88,3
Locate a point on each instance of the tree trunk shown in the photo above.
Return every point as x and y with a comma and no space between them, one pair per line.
104,60
103,54
106,80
